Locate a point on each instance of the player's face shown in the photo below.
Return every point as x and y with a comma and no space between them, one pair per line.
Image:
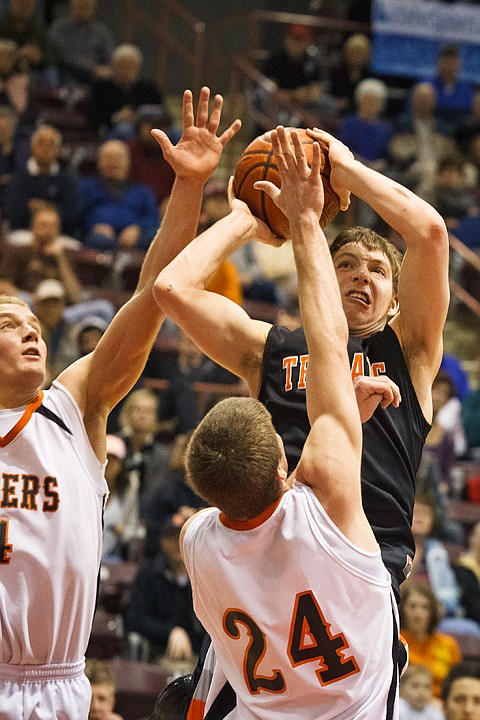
22,349
463,702
365,280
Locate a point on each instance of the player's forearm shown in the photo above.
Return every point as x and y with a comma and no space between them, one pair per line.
197,264
413,218
323,318
178,228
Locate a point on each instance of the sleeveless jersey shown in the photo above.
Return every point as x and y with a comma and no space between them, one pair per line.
303,622
51,503
393,438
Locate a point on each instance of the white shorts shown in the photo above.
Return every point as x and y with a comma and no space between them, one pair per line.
44,692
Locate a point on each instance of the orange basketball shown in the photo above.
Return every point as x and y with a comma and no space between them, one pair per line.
258,163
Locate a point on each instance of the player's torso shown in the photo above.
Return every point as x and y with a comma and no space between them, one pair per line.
51,500
392,439
301,622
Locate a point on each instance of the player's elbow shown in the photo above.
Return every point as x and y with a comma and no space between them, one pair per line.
165,290
436,233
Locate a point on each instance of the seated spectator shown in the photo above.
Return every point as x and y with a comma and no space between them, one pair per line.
453,366
298,75
180,402
454,96
419,618
16,87
418,143
42,181
48,304
41,256
352,69
452,197
364,131
88,333
469,127
115,212
147,455
471,419
171,500
467,571
446,436
21,24
123,531
81,45
461,691
147,164
103,690
431,564
428,482
161,605
416,695
14,150
114,101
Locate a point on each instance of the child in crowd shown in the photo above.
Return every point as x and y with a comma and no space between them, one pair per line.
416,695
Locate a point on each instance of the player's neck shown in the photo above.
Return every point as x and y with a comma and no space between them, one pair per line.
11,399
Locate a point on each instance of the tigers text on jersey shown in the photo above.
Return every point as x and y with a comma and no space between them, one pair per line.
302,621
52,493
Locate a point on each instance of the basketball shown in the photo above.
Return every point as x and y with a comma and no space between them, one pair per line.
258,163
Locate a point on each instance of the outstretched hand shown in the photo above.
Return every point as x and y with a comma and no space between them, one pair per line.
260,231
197,153
370,392
301,186
337,153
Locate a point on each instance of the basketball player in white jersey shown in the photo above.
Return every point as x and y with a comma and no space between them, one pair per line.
287,576
52,456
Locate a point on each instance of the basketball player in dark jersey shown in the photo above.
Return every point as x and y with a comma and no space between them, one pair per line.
395,317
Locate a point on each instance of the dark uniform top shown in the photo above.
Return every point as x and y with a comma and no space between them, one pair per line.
392,439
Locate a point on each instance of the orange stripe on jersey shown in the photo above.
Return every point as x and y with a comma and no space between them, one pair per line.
196,711
253,522
18,427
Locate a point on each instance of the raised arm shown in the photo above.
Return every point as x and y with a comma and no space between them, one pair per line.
330,461
423,289
221,328
101,379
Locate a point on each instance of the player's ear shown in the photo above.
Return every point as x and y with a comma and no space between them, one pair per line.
394,307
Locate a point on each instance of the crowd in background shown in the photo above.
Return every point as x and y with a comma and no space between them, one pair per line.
106,190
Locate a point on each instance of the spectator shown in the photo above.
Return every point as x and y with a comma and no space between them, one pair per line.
122,529
447,435
452,196
42,256
114,101
180,402
352,69
13,149
48,305
116,212
20,24
469,127
461,692
42,181
82,46
418,143
416,695
16,87
148,165
146,455
431,564
364,131
161,606
419,618
88,333
454,96
172,500
298,75
103,690
467,571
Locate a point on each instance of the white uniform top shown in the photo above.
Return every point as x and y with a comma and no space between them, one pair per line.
302,620
51,500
